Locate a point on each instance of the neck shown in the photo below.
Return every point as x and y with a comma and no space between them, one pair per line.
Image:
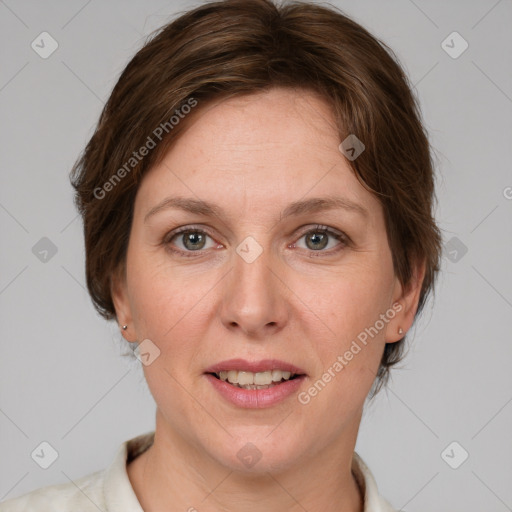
173,476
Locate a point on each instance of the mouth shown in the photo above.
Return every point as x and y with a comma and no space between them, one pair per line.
255,384
259,380
263,374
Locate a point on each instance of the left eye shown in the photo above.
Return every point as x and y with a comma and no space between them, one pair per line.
320,238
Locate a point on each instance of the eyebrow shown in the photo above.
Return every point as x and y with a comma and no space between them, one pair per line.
306,206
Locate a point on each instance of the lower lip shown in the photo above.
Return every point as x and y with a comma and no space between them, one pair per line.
256,398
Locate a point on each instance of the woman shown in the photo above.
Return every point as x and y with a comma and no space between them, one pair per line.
257,205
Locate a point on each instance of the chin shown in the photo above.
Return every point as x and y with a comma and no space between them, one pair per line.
254,451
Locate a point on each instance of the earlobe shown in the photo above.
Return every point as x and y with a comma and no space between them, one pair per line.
408,297
121,304
394,331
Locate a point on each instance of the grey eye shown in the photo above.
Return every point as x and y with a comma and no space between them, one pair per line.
316,240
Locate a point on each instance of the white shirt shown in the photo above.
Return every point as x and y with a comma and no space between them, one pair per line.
110,490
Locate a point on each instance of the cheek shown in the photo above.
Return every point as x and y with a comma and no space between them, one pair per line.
164,298
348,308
169,309
348,301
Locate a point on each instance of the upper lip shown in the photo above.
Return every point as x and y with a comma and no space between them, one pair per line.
254,366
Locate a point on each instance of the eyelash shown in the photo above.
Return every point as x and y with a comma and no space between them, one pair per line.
340,236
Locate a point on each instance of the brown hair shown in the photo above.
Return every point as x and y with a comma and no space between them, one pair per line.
236,47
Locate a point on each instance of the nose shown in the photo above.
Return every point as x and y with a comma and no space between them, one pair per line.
254,298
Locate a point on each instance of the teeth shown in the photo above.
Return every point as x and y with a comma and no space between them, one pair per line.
233,376
250,380
245,378
263,378
277,375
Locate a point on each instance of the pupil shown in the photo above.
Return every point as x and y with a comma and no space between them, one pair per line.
196,239
315,238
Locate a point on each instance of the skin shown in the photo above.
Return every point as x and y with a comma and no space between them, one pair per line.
253,156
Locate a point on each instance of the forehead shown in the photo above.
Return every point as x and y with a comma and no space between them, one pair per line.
265,149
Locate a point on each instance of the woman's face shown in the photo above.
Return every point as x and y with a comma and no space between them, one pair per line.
254,276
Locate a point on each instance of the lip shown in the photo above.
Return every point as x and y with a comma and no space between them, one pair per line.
255,398
254,366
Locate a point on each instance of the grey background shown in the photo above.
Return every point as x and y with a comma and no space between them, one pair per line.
62,379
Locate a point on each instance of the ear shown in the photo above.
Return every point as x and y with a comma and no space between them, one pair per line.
405,303
119,293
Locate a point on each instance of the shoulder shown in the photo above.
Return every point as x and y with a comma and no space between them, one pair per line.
84,494
106,490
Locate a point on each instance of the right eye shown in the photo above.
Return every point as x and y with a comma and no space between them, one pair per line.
188,240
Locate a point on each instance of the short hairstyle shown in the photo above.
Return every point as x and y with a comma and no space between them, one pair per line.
238,47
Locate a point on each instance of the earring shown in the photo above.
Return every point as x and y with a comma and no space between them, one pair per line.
400,331
125,327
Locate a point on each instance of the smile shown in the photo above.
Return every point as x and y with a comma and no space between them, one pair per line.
251,380
256,384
